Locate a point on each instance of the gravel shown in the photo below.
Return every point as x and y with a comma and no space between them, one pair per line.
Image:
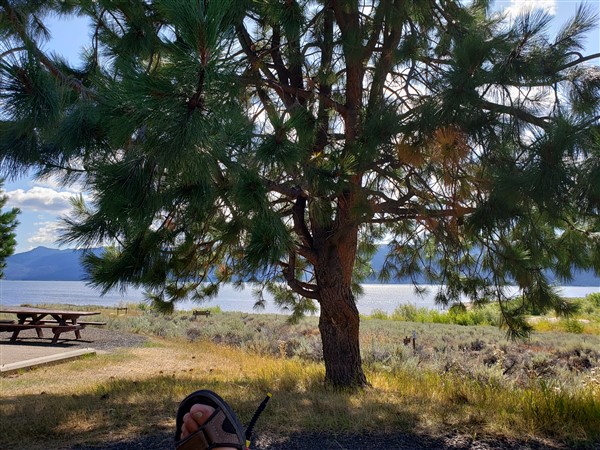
102,339
91,336
321,441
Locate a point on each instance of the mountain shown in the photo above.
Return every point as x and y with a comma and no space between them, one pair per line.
47,264
580,277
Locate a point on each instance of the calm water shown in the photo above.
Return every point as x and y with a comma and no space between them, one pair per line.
384,297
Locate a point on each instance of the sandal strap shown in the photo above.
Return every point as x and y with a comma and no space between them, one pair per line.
196,441
211,435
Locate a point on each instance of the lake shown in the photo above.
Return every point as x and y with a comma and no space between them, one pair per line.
385,297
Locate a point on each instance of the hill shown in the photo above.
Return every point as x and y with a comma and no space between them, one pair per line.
47,264
580,278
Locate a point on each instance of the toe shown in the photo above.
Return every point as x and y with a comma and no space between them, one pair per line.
197,416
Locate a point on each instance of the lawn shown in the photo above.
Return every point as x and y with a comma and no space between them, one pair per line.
468,379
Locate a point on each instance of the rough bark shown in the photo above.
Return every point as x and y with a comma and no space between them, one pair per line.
339,321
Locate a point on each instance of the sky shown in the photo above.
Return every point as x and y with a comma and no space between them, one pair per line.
43,202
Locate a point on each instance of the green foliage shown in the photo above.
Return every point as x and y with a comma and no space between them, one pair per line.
228,139
378,314
573,326
456,315
594,299
8,223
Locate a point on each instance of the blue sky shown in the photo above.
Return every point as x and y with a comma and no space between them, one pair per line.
43,202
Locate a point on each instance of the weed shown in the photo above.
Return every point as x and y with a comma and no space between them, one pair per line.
456,375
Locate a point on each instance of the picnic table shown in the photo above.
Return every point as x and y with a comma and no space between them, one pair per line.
59,321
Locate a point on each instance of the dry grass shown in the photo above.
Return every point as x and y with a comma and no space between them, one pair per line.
465,378
136,391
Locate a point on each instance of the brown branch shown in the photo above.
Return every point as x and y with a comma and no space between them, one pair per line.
300,227
580,60
303,94
248,46
384,64
518,113
306,290
420,213
282,71
18,27
322,132
377,27
295,69
12,50
346,15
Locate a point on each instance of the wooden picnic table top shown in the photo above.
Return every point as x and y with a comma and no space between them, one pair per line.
35,311
66,320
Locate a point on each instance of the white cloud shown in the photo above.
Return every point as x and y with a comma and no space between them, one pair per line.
56,183
41,199
46,234
518,7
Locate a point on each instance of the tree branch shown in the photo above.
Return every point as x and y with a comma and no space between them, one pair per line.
383,66
518,113
300,227
580,60
307,290
12,50
18,27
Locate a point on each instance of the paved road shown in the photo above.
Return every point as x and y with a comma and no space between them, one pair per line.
29,350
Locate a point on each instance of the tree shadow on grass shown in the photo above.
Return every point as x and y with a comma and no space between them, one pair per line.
135,414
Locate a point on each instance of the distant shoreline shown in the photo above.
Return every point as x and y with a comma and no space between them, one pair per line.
50,265
377,297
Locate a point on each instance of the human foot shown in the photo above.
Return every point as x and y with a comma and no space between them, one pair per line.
205,421
197,417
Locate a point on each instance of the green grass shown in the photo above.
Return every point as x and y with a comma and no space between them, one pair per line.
470,379
488,315
136,391
586,318
477,351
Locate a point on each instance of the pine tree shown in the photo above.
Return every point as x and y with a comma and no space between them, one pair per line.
280,141
8,223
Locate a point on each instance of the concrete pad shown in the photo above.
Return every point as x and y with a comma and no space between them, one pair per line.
16,356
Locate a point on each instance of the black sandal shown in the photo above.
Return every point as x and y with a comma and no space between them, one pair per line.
221,429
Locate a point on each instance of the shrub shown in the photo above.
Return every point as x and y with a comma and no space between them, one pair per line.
379,314
193,334
406,313
457,315
594,299
572,326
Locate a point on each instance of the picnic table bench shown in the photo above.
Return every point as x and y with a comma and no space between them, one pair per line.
35,319
200,312
79,322
16,328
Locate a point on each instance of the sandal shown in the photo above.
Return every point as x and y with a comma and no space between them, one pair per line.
221,429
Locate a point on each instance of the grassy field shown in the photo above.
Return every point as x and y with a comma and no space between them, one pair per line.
468,379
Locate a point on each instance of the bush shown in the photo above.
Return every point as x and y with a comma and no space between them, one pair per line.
573,326
457,315
406,313
594,299
379,314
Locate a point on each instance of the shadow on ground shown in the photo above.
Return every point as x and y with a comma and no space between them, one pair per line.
126,406
319,441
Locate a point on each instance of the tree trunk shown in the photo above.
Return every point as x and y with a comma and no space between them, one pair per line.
339,322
